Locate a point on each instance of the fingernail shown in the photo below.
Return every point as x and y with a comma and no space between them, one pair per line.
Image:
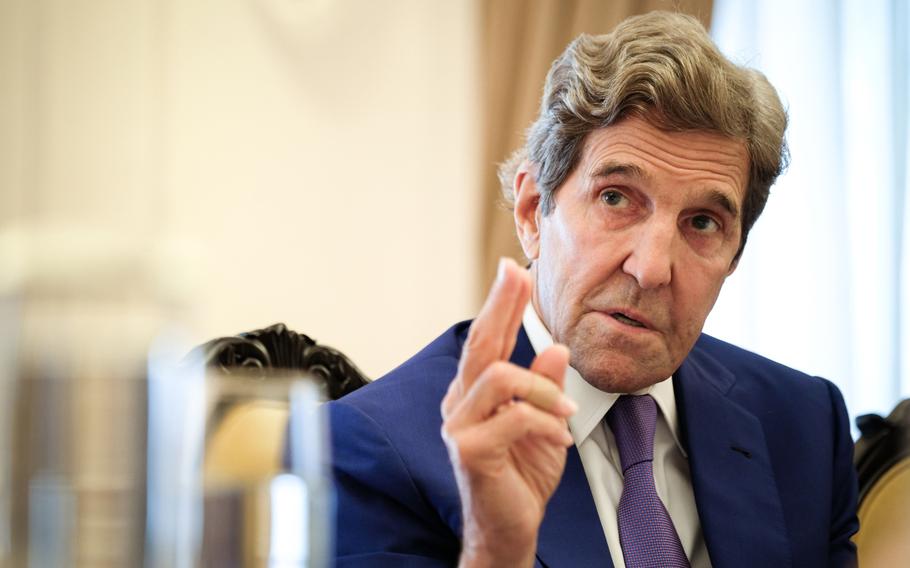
567,406
567,438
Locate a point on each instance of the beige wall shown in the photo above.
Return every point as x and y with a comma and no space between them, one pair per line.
314,160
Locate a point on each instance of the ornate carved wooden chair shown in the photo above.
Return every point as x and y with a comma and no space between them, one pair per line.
277,347
882,459
246,439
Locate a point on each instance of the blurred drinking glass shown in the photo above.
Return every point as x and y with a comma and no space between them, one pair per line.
232,485
79,311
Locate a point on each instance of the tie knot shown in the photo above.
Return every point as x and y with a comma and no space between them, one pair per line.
632,420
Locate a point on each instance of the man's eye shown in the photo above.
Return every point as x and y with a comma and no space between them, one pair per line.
614,198
705,224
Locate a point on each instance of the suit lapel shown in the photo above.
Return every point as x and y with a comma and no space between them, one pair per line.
735,490
571,534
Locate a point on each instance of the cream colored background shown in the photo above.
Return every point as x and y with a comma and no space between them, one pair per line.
314,160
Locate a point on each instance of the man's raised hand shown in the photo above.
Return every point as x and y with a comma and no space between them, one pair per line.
505,429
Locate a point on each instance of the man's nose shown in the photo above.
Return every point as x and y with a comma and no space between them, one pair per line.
650,261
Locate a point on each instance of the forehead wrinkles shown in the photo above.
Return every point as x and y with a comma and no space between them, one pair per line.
699,153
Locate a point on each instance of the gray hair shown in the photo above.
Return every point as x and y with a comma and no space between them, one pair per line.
663,67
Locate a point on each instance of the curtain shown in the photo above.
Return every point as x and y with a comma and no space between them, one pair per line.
824,282
520,39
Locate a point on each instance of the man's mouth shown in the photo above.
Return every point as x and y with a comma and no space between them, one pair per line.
623,318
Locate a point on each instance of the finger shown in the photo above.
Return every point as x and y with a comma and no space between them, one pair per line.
552,363
451,399
492,335
500,384
512,423
517,315
546,395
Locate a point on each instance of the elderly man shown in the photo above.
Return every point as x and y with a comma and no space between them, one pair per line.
582,418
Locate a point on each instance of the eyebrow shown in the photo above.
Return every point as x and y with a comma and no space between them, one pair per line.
715,196
719,198
611,168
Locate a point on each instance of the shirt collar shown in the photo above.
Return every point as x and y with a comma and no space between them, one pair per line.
593,403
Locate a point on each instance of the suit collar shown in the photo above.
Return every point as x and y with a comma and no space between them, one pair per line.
730,465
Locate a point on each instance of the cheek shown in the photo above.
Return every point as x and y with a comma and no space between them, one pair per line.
569,245
558,286
573,259
697,292
569,262
555,260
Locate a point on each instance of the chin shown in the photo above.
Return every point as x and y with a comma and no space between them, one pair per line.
622,376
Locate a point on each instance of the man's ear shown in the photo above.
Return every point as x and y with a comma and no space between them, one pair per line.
733,266
526,211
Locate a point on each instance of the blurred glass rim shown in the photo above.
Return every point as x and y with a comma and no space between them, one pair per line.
61,261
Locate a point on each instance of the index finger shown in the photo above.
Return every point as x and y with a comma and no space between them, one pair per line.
493,333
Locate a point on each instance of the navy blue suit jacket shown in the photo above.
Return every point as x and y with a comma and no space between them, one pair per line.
769,452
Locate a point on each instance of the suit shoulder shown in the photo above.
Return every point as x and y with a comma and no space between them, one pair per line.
388,450
424,376
761,377
738,359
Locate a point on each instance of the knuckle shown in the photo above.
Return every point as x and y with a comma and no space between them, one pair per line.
446,432
463,453
450,434
478,340
473,337
522,412
460,453
451,396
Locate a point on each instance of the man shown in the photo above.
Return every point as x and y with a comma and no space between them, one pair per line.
650,161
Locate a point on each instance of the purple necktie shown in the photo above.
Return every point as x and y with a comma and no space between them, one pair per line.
646,531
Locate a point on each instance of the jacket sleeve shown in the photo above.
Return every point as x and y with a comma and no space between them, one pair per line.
844,522
382,519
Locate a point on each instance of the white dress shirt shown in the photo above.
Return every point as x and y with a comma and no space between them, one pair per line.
600,457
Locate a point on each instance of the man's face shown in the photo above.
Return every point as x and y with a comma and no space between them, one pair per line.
631,259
